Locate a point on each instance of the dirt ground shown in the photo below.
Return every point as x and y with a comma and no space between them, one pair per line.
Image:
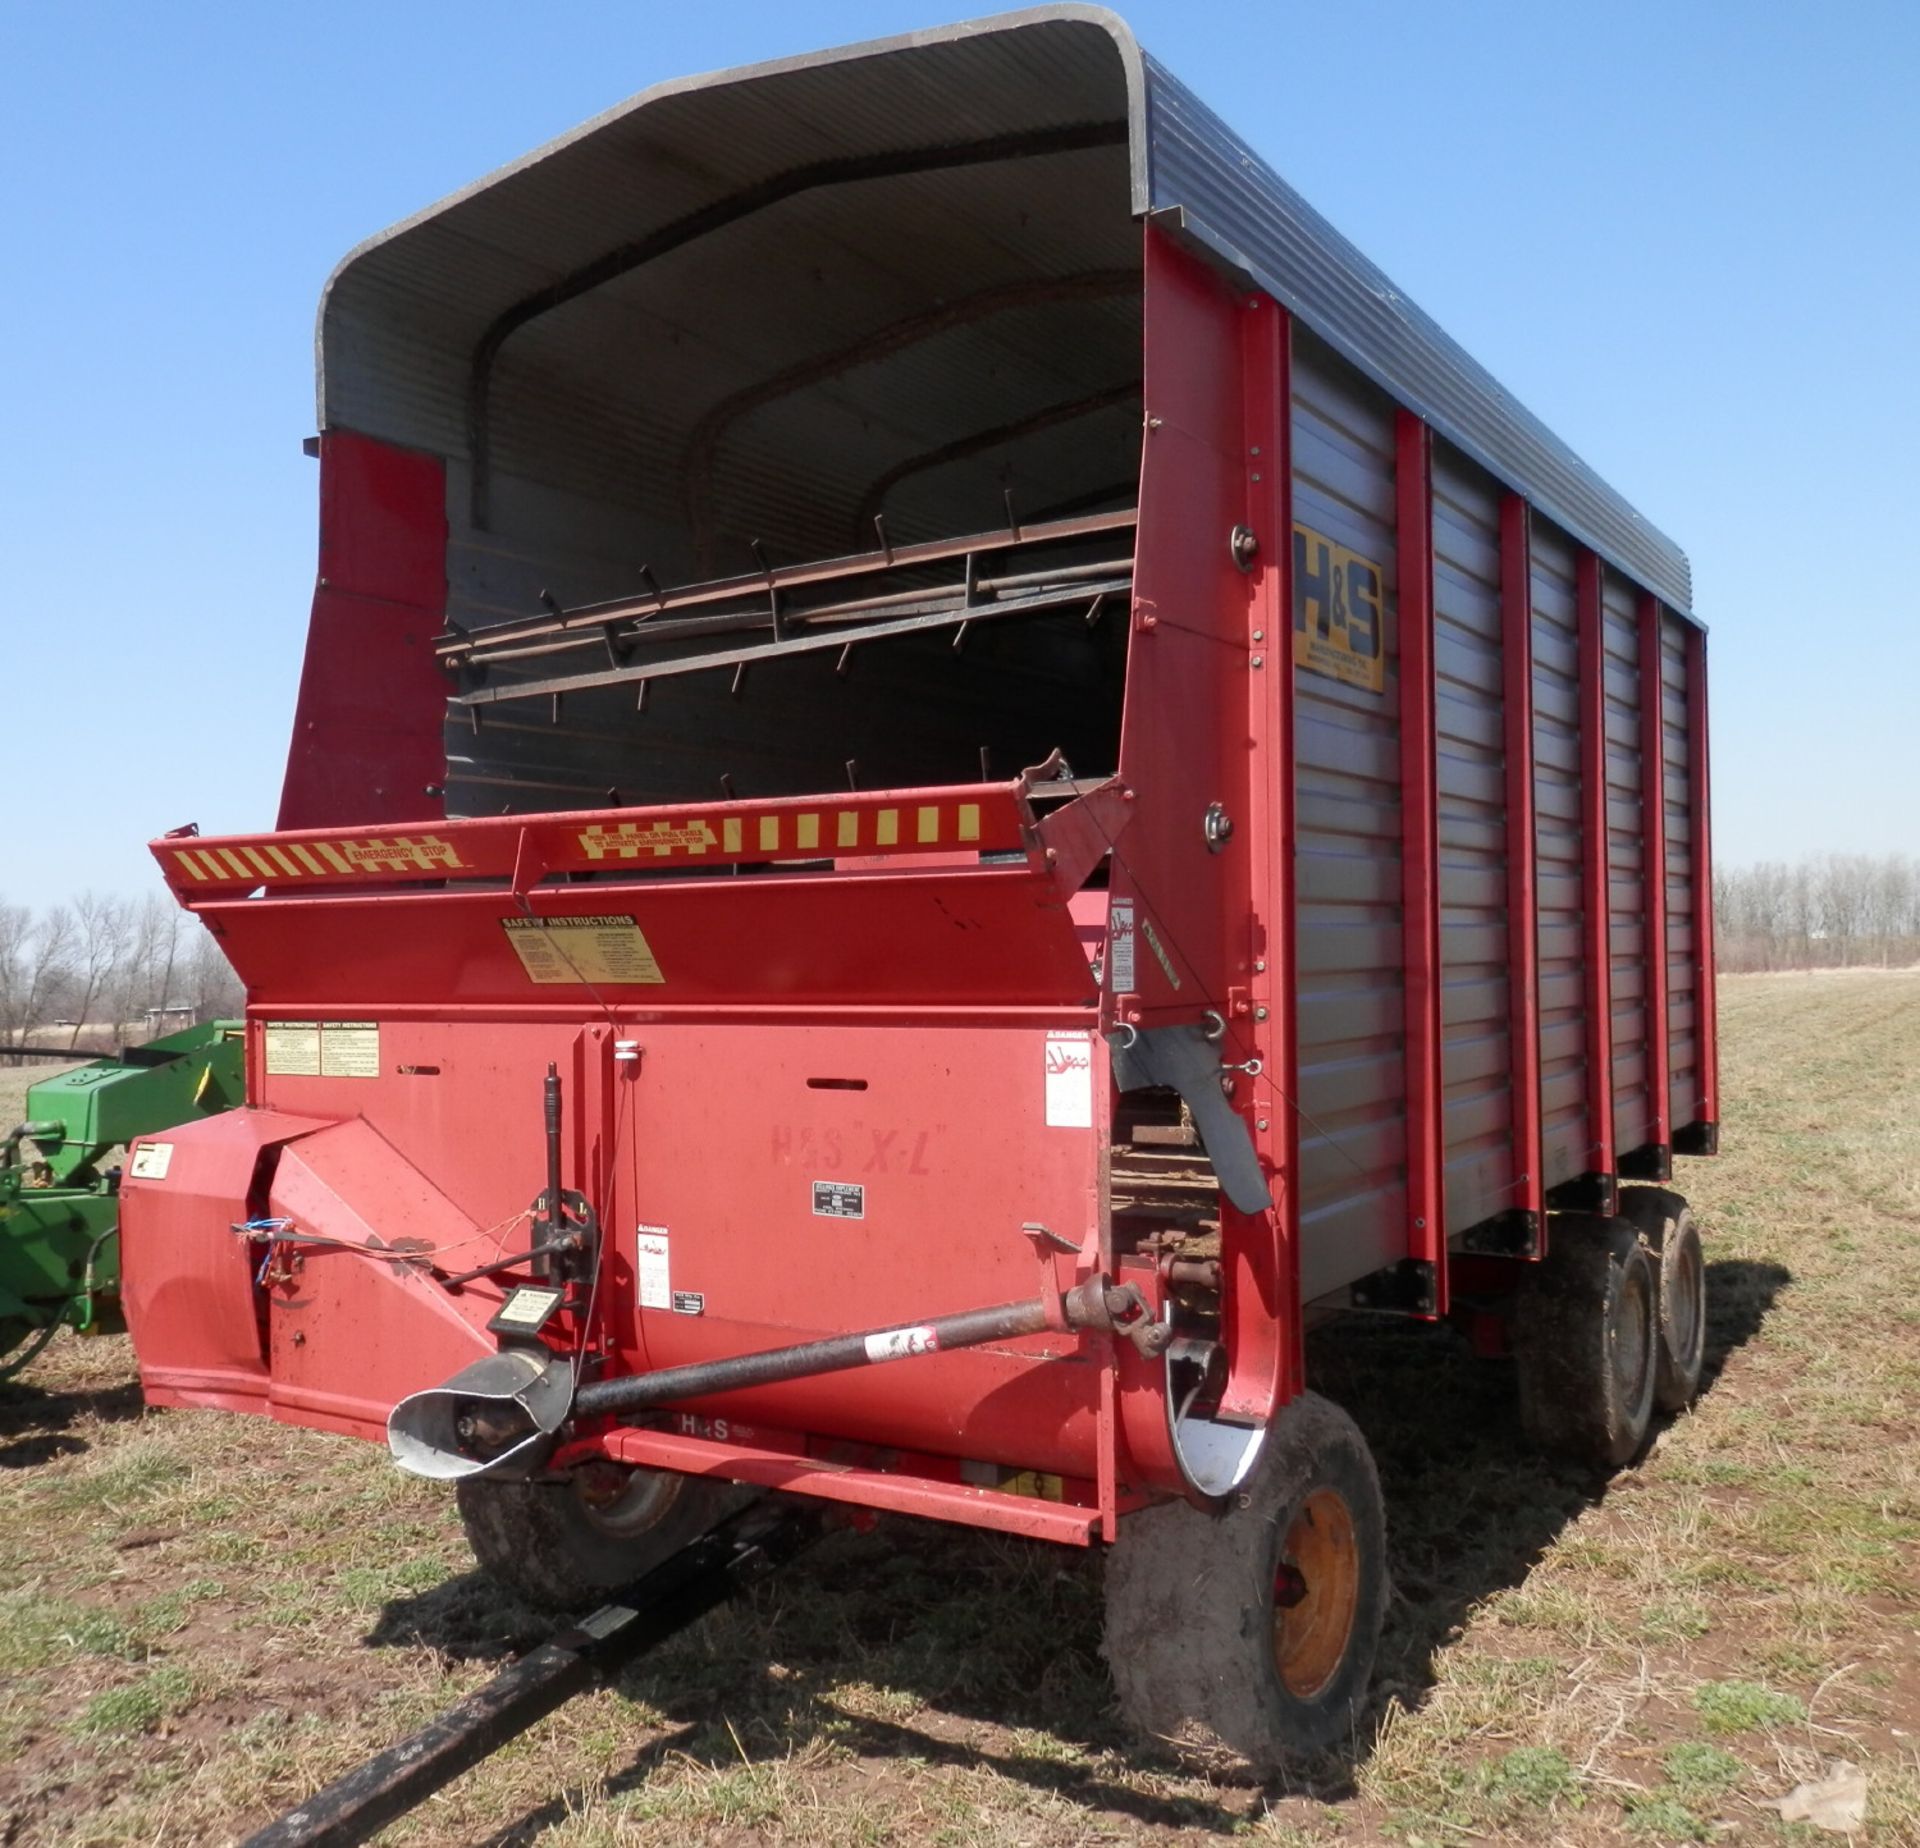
203,1617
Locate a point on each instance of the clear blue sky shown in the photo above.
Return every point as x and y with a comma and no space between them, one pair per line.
1688,235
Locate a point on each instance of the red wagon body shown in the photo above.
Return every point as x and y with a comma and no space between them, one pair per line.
1001,713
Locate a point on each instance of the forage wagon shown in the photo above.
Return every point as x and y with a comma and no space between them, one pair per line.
951,773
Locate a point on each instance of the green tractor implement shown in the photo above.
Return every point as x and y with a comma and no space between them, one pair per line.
59,1194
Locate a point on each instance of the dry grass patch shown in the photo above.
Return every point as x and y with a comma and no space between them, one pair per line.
202,1617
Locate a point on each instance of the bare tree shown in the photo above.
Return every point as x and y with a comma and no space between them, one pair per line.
208,983
1831,912
143,977
34,955
100,929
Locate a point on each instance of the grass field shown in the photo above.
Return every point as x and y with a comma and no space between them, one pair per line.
202,1617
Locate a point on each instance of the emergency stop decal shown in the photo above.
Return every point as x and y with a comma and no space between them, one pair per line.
602,951
1339,603
318,859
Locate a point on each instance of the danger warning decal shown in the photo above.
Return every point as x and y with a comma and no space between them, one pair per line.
1339,605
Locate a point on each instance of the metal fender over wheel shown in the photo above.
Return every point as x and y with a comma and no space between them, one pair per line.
561,1545
1665,1221
1583,1337
1246,1638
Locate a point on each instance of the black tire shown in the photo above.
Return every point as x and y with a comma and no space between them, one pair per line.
1208,1656
1665,1221
1584,1338
562,1546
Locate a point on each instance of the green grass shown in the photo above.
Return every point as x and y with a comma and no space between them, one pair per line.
1697,1770
1745,1706
138,1707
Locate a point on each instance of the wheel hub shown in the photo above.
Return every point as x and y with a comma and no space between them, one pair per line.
1632,1349
623,1503
1316,1590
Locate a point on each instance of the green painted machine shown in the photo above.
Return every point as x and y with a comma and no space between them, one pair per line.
60,1201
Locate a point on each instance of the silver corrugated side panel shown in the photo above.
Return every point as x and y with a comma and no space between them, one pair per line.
1235,205
403,314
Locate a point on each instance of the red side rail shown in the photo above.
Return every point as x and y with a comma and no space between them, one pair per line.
1653,825
1420,855
1706,1025
1264,1297
1523,954
1597,883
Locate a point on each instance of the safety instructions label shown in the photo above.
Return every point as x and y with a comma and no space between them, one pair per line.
1120,964
602,951
322,1048
656,1280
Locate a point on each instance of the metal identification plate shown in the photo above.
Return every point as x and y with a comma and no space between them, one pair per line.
1339,601
839,1200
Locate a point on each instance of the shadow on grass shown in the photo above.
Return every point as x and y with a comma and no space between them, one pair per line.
909,1643
35,1424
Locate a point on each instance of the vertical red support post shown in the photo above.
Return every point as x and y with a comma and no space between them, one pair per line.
1523,911
1267,429
1596,907
1420,853
1707,1021
1653,860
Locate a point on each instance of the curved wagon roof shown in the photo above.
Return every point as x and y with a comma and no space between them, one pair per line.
415,322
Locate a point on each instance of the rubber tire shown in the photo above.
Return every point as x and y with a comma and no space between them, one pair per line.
1190,1606
1569,1320
1665,1221
544,1543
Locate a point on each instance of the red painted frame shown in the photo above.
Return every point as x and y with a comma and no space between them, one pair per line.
1269,1292
1705,1001
1653,859
1596,862
1523,913
1029,1516
1420,852
883,824
367,728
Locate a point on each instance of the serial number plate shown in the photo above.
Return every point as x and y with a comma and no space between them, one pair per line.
839,1200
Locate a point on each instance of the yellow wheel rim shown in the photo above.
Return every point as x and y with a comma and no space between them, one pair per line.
1316,1589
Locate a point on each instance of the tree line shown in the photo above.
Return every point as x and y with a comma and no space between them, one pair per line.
1835,911
101,972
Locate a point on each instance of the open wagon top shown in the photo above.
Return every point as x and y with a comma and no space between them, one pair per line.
898,222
